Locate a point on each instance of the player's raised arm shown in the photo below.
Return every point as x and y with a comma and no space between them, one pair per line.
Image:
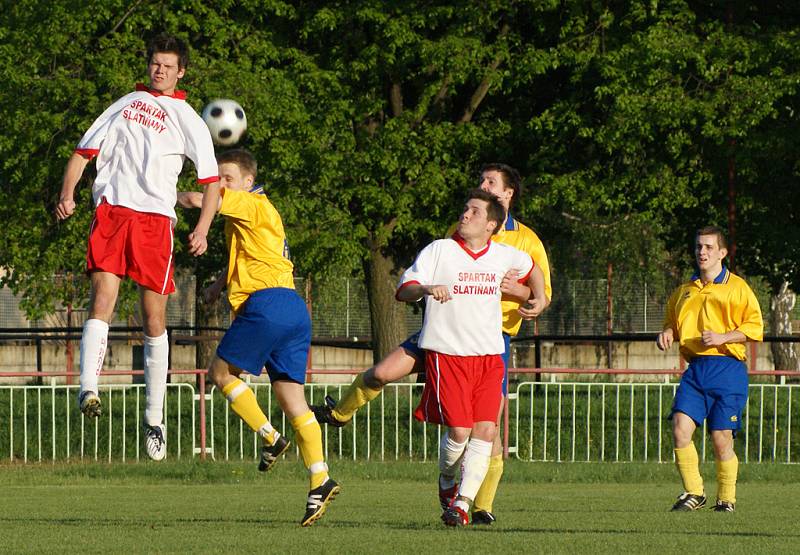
197,238
72,174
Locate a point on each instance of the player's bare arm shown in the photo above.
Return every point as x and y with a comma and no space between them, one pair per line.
512,289
190,199
198,243
665,339
72,174
713,339
538,300
413,292
213,291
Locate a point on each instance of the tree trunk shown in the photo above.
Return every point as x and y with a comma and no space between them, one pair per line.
784,355
387,316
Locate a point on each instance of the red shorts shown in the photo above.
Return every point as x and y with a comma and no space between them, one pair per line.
461,390
134,244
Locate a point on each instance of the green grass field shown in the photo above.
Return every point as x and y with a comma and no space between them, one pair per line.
207,507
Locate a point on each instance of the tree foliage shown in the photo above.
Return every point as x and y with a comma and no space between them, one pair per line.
632,121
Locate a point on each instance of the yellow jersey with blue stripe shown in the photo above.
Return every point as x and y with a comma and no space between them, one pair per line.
723,305
258,256
518,235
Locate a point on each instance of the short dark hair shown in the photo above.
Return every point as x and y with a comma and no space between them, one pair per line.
494,210
168,43
511,178
242,158
722,241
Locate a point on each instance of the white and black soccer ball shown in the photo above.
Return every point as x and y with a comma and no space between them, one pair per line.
226,120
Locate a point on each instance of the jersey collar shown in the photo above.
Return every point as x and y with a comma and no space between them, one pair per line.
723,276
475,255
511,223
179,95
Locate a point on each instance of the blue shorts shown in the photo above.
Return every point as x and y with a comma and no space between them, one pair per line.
411,346
272,331
713,388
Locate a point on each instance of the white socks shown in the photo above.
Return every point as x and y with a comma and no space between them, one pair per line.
156,361
450,453
93,352
474,467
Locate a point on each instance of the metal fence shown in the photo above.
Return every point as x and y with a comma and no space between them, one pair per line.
555,419
340,308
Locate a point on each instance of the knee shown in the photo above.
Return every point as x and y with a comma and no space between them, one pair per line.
373,379
218,373
459,435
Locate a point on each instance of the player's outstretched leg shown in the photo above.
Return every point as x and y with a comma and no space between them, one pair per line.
324,413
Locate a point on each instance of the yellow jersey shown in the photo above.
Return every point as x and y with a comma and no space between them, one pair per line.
723,305
257,250
518,235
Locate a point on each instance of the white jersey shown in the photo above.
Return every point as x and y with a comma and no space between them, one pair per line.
141,142
471,322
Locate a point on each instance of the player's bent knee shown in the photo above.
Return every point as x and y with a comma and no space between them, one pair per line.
397,365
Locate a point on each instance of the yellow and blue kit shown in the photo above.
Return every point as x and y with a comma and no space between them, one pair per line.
272,327
514,234
715,385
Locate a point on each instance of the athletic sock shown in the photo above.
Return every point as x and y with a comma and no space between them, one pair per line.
356,396
727,472
243,402
156,361
688,463
450,453
485,496
93,351
474,467
308,435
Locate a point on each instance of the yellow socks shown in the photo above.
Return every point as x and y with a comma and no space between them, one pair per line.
356,396
727,472
688,464
308,436
488,489
243,402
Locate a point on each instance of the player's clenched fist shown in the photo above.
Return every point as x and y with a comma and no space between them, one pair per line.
664,339
531,309
65,208
439,293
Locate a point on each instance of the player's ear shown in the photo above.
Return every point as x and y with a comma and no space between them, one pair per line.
181,72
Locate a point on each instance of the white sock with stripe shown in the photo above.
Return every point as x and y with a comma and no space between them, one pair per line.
156,361
93,352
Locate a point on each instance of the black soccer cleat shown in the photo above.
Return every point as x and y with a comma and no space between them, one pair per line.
270,453
324,413
689,502
483,517
318,501
724,507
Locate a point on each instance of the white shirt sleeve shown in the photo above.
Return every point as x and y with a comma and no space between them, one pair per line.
93,138
199,147
422,271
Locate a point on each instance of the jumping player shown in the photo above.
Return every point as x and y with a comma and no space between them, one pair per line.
504,182
711,317
462,337
140,143
271,329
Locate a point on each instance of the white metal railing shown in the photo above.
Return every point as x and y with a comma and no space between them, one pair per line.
548,421
590,421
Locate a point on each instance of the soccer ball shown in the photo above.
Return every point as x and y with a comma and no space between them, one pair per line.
226,120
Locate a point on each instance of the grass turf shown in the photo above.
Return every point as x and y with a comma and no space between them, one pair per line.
206,507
